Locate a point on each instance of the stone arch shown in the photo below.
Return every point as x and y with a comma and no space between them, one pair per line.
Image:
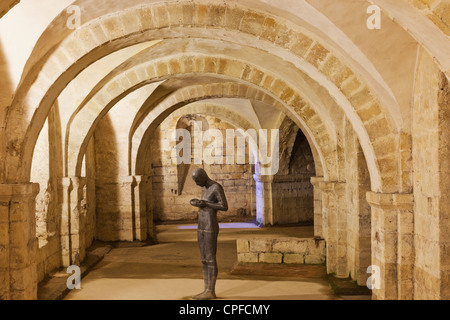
131,68
136,22
7,5
422,21
186,122
157,164
211,109
208,65
287,140
186,96
195,93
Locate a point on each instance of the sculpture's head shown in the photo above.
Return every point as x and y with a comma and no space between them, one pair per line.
200,177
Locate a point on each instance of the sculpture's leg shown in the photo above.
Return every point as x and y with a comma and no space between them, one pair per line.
208,248
205,275
213,270
212,277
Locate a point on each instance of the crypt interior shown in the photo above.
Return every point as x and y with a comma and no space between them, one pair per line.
92,92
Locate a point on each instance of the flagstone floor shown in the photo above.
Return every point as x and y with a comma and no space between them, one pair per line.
172,270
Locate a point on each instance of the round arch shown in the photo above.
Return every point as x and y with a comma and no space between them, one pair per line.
236,70
313,52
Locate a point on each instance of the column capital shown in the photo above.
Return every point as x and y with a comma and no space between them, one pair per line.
78,180
126,179
141,178
73,181
260,178
133,179
315,181
390,200
18,191
332,185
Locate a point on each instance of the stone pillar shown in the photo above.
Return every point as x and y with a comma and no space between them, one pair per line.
264,199
139,206
393,244
78,212
334,222
127,208
73,217
151,232
406,251
66,186
315,181
18,242
4,248
252,197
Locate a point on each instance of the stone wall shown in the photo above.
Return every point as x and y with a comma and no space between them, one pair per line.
292,191
283,250
121,208
114,215
113,187
173,186
293,199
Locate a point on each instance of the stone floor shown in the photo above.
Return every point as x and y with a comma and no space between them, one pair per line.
172,270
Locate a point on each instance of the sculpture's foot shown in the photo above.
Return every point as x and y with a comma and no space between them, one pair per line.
205,295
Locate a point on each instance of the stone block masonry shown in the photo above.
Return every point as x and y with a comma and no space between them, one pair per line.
285,250
172,185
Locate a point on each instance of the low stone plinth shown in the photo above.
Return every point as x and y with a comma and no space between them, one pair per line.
284,250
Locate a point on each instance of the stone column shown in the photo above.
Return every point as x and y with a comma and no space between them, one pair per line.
73,216
4,248
18,242
264,199
66,186
151,232
318,231
78,220
334,222
127,208
393,244
139,206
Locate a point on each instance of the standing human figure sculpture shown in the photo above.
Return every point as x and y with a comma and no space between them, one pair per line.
213,200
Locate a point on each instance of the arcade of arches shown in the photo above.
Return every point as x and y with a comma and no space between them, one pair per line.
88,113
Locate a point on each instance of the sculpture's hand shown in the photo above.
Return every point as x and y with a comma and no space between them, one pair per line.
195,202
198,203
202,204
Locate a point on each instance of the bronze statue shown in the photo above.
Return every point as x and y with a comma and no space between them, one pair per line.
213,199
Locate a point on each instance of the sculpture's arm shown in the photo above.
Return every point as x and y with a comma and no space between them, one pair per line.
221,203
